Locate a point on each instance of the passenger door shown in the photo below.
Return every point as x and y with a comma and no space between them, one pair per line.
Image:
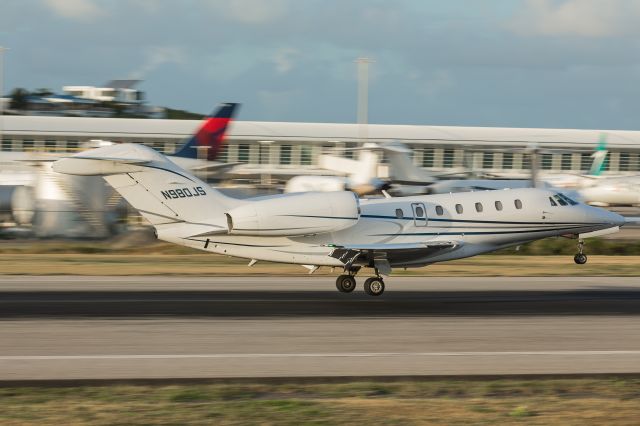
419,214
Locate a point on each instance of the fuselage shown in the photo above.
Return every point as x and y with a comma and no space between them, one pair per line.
477,222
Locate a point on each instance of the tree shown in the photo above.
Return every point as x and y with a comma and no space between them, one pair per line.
43,92
19,99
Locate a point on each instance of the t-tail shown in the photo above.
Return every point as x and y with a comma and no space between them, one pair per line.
599,157
169,197
211,135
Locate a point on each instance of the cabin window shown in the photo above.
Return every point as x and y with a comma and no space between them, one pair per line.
439,210
419,212
479,207
399,213
498,205
518,204
553,203
459,208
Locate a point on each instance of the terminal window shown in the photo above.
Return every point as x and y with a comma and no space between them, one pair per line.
487,160
306,157
585,161
72,146
547,161
566,161
623,162
7,145
223,154
285,154
427,157
243,153
447,158
507,160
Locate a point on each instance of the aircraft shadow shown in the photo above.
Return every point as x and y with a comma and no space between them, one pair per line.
394,303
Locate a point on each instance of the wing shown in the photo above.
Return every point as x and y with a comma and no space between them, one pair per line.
215,167
382,256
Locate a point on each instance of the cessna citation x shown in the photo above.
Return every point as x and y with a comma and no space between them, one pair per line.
336,229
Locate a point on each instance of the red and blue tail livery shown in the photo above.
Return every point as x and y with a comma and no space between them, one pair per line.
210,135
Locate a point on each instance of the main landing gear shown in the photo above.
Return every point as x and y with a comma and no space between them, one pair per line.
580,258
373,286
346,283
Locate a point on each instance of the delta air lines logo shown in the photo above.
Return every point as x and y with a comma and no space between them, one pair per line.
195,191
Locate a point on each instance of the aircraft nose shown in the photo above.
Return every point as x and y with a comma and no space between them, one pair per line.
606,216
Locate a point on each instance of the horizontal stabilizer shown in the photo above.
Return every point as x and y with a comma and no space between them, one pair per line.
96,166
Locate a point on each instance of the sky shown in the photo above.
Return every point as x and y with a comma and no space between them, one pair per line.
515,63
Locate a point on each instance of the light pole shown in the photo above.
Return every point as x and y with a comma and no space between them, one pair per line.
363,96
2,49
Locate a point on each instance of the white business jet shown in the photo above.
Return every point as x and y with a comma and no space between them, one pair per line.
336,229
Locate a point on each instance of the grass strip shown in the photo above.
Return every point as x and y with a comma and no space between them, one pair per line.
216,265
580,401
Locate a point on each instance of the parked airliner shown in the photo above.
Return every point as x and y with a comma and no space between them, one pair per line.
336,229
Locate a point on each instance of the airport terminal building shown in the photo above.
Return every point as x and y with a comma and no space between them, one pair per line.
291,148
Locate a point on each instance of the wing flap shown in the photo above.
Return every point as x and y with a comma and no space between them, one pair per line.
392,253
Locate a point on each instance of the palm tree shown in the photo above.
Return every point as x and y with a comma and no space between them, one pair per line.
19,98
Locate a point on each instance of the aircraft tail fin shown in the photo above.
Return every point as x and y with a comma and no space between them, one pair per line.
163,192
599,157
211,134
401,167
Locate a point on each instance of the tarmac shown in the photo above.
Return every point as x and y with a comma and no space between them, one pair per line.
71,328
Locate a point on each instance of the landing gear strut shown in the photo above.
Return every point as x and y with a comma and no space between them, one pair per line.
346,283
580,258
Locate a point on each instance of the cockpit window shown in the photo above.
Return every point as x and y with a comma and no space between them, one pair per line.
553,203
568,200
563,200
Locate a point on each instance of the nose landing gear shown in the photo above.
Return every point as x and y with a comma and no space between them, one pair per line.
580,258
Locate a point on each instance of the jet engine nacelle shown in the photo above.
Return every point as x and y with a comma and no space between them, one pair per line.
295,214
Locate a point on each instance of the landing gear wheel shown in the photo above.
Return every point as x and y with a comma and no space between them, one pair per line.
374,286
580,258
346,283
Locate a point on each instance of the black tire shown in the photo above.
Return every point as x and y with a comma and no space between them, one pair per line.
346,283
374,286
580,258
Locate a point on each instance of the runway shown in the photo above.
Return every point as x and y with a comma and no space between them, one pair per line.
164,327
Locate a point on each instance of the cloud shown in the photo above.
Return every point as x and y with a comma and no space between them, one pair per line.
157,56
252,11
577,18
75,9
283,59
